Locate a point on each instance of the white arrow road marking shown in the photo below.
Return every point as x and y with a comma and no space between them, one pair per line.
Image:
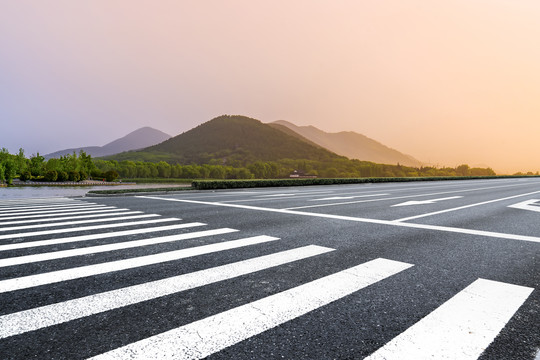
462,327
346,197
424,202
531,205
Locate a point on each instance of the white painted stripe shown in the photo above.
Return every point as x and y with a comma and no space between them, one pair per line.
426,202
407,196
347,197
79,208
103,268
461,328
37,318
212,334
43,199
23,201
61,218
364,220
466,206
85,228
34,203
26,259
71,239
78,222
44,207
64,213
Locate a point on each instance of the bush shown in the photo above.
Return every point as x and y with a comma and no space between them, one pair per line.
231,184
74,175
50,176
25,176
62,176
111,175
97,174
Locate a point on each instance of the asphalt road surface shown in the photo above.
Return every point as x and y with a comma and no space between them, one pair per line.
434,270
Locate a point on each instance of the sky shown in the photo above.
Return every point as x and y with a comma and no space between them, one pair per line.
448,82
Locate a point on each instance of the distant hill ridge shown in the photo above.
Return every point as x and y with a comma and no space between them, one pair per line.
350,144
138,139
230,140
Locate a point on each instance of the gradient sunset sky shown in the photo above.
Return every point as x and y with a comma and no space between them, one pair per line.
447,82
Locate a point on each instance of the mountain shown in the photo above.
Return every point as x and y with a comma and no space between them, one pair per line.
138,139
230,140
349,144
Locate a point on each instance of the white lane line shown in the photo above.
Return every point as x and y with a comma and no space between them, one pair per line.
71,239
85,228
347,197
465,207
103,268
426,202
26,259
79,208
61,218
270,198
402,197
78,222
461,328
212,334
44,207
364,220
531,205
38,318
277,195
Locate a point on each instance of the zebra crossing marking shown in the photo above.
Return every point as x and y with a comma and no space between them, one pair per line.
41,212
212,334
85,228
43,207
65,240
27,259
140,261
62,218
78,222
37,318
461,328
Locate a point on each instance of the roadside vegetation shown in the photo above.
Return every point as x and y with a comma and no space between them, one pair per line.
79,167
72,168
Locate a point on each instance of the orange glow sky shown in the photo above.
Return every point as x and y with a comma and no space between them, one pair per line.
447,82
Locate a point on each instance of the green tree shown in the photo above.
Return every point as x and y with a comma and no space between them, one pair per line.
9,170
21,162
36,165
164,169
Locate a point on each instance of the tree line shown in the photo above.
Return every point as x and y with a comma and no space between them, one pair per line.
335,168
71,167
77,167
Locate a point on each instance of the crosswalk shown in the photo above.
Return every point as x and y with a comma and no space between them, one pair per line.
45,231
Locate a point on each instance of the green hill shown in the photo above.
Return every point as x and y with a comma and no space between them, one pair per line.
230,140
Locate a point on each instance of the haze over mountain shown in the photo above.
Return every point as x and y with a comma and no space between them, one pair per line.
138,139
230,140
350,144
